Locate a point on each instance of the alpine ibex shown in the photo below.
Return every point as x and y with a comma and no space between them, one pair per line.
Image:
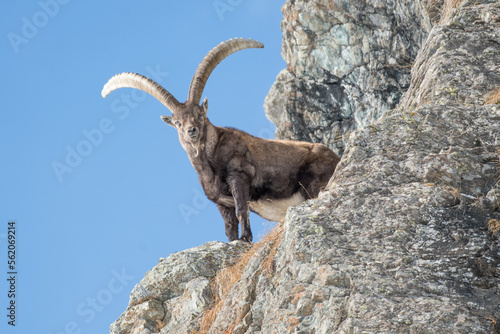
237,171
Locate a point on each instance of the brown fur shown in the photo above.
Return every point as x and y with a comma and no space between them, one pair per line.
236,169
238,172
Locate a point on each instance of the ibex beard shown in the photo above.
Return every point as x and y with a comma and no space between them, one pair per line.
238,172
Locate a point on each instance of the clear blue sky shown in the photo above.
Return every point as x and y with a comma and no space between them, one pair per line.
88,233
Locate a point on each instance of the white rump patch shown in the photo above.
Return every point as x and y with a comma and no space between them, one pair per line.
275,210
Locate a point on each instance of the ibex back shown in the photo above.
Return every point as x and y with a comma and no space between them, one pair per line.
237,171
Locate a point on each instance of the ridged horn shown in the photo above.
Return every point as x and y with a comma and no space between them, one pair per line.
210,62
134,80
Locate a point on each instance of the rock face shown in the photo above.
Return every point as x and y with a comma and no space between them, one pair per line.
348,61
173,294
459,63
406,238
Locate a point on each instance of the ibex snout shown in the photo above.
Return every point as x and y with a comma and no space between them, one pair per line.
193,132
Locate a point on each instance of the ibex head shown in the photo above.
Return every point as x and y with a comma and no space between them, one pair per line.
189,118
190,122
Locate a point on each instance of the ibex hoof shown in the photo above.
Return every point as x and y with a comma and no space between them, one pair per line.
245,238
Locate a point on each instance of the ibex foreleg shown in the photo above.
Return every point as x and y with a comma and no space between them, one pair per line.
240,188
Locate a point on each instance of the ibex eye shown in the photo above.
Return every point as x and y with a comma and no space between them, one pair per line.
177,123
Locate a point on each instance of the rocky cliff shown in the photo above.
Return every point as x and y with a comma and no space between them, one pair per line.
347,63
406,238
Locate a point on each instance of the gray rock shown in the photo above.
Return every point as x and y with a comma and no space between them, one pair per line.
348,61
494,197
471,40
173,294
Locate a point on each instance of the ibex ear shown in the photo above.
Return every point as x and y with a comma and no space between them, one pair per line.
168,120
204,105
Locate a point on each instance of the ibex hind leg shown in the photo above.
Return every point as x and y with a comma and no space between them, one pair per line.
230,222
